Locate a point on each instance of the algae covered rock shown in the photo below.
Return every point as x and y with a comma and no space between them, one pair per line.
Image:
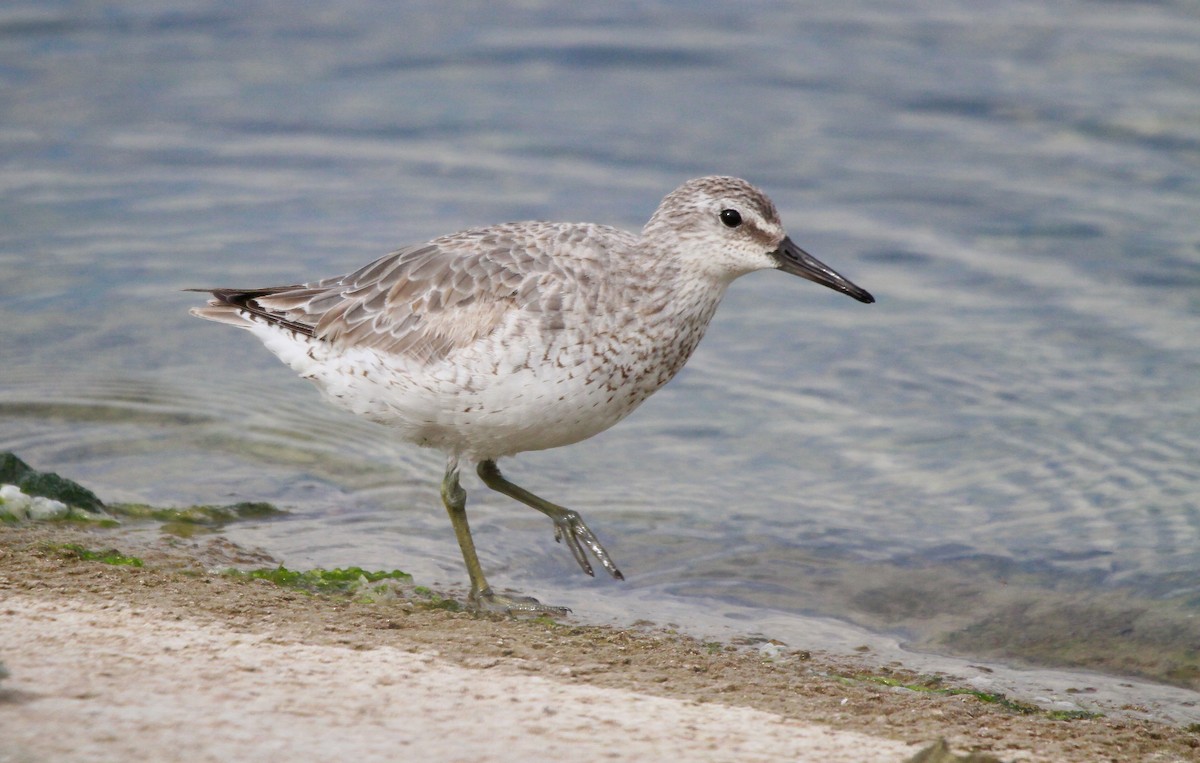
48,485
26,493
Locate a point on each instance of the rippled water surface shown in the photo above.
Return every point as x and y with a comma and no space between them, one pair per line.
999,459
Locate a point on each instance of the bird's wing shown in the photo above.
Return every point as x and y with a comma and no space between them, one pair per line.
426,301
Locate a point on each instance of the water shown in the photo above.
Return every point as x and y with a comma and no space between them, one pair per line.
999,460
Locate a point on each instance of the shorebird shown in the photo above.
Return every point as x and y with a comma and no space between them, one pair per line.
523,336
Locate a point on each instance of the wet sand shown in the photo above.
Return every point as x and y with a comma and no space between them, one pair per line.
173,661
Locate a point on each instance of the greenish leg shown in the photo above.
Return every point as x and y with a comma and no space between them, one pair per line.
481,596
567,523
455,499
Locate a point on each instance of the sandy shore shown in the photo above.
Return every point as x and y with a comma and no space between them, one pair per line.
173,662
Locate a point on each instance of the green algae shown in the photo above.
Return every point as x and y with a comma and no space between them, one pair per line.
338,580
364,585
427,598
192,520
108,556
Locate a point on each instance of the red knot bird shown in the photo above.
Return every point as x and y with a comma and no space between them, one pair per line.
523,336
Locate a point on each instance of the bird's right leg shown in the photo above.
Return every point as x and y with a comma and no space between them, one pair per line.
567,523
482,597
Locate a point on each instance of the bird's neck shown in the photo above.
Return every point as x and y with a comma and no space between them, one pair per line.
671,310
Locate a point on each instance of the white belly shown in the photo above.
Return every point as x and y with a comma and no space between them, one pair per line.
485,402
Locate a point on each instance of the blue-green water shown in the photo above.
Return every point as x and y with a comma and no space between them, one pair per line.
1010,434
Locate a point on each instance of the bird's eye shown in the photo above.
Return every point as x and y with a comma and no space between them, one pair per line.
731,217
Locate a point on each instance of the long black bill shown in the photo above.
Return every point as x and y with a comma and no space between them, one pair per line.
792,259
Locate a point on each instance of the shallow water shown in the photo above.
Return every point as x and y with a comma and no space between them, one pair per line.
1001,458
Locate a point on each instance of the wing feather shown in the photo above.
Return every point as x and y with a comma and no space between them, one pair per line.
425,302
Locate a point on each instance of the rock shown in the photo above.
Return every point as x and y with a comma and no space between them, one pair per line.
47,485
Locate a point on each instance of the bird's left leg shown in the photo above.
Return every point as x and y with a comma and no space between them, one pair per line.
567,523
482,597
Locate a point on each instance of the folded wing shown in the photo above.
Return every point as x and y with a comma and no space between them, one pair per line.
422,302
